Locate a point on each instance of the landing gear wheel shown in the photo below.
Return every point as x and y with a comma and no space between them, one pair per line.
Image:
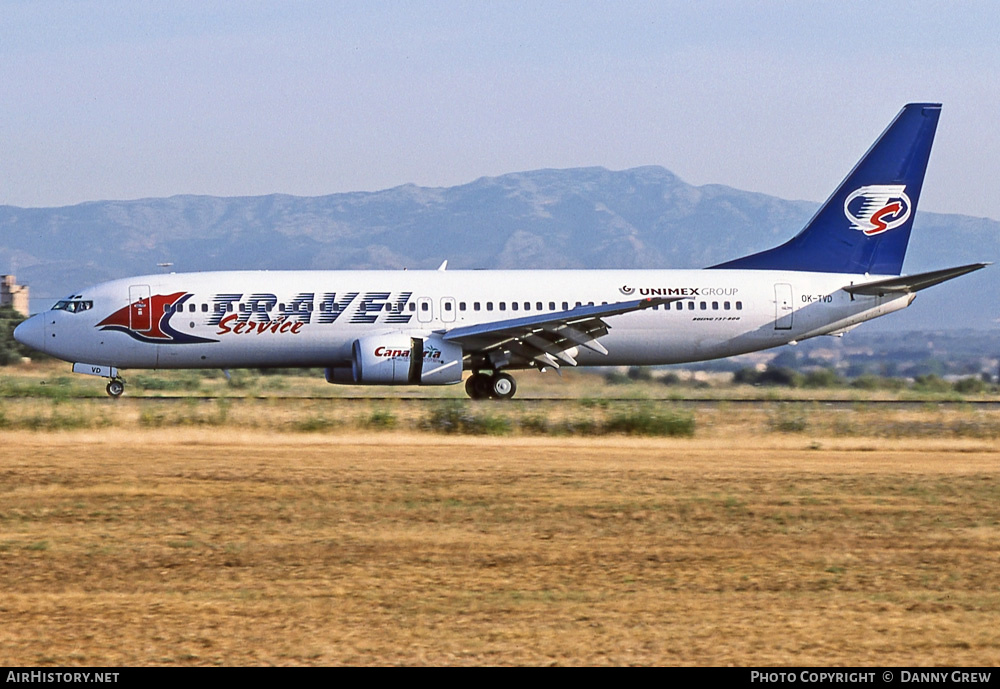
502,386
116,387
471,386
478,386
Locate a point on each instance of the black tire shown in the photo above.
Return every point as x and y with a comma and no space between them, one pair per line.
478,386
472,386
116,388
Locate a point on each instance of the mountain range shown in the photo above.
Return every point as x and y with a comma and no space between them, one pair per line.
644,217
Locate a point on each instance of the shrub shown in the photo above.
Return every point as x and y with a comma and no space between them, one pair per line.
931,383
457,418
788,418
651,421
382,419
670,378
778,375
821,378
11,350
312,424
638,373
970,386
868,381
746,376
176,382
535,425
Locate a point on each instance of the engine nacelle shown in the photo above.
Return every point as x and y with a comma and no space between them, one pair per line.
399,359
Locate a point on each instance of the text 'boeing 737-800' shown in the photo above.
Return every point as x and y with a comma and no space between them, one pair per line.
428,327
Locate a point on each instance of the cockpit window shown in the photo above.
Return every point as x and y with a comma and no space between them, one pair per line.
73,305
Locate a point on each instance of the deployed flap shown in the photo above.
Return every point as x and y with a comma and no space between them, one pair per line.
912,283
543,340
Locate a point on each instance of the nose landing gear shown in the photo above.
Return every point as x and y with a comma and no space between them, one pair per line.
495,386
116,387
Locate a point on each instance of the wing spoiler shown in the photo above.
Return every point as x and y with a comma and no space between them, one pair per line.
906,284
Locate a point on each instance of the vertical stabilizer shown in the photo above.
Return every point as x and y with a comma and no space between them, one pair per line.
865,225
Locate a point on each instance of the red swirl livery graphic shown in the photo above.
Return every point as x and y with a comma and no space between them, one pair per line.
148,320
877,208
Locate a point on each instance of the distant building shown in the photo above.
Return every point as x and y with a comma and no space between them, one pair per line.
12,294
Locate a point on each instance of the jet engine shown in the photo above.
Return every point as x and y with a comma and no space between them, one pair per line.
397,358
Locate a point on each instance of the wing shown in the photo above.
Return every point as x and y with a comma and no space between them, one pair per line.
543,340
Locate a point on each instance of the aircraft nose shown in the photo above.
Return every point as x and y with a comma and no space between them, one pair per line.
31,332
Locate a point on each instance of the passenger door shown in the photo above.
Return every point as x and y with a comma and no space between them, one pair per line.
140,312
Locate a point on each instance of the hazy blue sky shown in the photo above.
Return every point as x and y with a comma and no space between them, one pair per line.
118,100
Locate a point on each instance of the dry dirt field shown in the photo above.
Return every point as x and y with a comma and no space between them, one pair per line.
214,546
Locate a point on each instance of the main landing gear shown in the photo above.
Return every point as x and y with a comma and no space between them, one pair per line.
116,387
486,386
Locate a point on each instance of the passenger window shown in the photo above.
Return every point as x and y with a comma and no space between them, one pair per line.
424,306
461,306
739,306
447,306
704,306
538,306
503,306
725,305
513,306
475,306
715,306
690,306
489,306
565,306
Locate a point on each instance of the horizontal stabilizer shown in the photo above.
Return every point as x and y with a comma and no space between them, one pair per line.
906,284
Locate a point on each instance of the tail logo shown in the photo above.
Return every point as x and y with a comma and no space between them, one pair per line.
877,208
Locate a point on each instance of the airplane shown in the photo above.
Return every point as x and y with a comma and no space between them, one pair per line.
429,327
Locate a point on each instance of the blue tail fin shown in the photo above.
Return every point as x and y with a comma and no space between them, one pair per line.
865,225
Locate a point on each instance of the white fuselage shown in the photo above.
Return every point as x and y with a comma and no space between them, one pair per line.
312,318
